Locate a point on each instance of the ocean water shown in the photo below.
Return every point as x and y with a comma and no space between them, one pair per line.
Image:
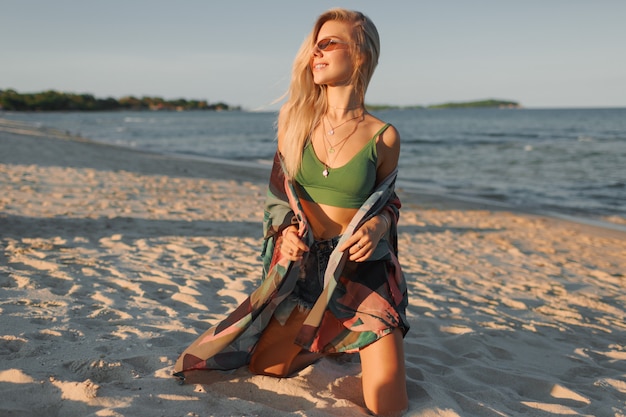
567,161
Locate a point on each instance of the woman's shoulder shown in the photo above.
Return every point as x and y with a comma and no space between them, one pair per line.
387,146
382,131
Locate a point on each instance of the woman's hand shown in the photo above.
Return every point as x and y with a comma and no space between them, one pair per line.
292,247
362,243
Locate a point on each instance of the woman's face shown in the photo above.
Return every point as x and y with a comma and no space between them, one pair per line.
333,65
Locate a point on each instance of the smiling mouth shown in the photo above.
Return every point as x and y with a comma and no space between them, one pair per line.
319,66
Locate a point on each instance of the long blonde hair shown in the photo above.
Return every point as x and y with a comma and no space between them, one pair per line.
306,102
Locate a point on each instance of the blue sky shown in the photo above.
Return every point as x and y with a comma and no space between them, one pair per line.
542,53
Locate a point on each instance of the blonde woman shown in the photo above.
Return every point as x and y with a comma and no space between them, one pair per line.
331,280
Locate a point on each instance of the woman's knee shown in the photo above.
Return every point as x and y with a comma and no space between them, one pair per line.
272,357
275,350
268,367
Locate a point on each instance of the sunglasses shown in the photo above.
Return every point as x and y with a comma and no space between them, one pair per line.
329,44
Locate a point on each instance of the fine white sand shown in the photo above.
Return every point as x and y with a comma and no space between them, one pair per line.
113,261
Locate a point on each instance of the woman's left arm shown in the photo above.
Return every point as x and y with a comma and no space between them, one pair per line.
363,242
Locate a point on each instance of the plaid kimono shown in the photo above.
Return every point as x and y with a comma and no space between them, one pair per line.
352,311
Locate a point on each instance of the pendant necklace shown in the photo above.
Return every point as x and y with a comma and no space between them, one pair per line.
331,148
332,129
330,151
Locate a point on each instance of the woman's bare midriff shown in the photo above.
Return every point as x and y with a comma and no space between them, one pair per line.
327,221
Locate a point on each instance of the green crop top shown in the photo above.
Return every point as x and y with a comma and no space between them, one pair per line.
347,186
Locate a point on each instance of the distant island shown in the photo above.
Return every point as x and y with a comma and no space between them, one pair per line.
51,100
488,103
491,103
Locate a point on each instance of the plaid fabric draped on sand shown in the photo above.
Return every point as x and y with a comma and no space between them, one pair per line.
354,321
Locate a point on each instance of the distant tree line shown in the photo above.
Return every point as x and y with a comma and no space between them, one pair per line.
490,103
11,100
473,104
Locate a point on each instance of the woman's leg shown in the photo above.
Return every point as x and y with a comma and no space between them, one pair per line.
276,354
384,375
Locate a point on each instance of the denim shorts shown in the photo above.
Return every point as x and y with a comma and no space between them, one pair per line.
310,282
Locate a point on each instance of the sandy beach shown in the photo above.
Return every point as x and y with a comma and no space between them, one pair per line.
114,260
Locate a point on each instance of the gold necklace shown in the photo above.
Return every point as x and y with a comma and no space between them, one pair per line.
331,148
332,128
326,170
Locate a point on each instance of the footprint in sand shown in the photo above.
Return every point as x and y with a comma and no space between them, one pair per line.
10,345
